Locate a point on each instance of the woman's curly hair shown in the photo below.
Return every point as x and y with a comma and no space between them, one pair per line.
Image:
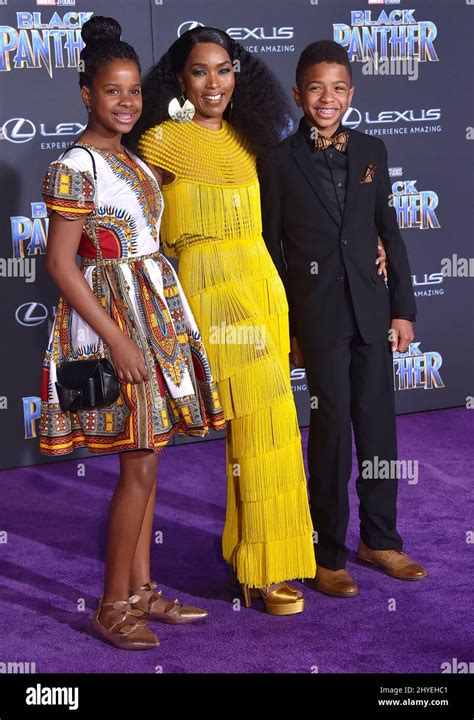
260,110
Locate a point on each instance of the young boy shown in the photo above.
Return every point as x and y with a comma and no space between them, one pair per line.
325,200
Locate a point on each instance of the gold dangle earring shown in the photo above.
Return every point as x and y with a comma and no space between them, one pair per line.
181,110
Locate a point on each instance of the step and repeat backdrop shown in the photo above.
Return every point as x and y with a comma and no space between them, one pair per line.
412,66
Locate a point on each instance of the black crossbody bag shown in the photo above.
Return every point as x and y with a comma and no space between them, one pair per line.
88,384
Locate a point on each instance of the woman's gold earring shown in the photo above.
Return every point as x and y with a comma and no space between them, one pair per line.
181,112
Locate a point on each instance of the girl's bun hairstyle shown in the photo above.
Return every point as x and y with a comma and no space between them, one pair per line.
101,28
102,44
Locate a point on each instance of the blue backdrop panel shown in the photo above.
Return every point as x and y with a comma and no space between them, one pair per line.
422,110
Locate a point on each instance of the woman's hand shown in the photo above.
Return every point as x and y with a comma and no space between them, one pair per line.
128,359
296,356
381,261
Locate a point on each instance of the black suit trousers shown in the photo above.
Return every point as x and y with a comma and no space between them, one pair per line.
353,385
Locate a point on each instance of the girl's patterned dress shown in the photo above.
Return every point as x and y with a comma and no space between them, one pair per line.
143,295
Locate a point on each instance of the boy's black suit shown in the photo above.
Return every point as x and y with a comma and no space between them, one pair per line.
320,224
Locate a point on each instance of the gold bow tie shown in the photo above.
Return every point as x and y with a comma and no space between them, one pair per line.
339,141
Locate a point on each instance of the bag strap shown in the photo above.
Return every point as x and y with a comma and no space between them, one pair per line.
81,147
99,265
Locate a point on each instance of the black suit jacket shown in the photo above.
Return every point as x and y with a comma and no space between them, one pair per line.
316,252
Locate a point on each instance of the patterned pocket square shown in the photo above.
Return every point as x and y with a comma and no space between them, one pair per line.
369,173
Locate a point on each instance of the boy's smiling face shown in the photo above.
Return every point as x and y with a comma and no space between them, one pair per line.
324,93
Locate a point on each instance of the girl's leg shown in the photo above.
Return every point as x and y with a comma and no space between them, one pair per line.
127,511
157,607
140,572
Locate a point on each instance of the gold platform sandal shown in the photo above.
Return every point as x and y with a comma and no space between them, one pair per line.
155,607
283,600
126,631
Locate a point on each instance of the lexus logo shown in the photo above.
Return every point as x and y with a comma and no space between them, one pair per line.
31,313
18,130
189,25
352,119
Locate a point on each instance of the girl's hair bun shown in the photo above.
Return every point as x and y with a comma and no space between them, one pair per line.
102,45
101,28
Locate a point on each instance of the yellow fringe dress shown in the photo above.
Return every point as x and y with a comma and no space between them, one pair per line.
212,224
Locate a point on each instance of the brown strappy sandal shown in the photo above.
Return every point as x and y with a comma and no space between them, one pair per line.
125,632
155,607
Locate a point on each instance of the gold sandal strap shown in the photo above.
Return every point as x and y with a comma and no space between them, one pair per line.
121,620
170,606
128,629
147,586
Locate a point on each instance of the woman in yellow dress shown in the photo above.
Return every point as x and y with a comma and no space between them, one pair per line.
205,161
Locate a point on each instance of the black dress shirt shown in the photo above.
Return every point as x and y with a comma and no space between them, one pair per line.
331,166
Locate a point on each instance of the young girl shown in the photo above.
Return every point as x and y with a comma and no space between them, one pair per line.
98,193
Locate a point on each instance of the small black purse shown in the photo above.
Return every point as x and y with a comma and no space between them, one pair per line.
92,383
86,384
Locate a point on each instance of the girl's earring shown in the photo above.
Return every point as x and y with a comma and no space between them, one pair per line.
231,107
181,110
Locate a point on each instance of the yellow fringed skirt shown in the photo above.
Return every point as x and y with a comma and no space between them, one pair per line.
240,306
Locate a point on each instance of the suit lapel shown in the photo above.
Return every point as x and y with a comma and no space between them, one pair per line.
302,156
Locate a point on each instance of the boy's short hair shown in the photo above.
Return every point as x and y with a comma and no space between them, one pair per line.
322,51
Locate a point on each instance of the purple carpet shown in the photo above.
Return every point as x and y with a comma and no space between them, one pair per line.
51,570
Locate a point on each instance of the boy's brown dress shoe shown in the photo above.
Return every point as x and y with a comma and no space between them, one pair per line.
394,563
337,583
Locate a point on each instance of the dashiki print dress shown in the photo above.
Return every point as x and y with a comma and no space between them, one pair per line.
141,292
